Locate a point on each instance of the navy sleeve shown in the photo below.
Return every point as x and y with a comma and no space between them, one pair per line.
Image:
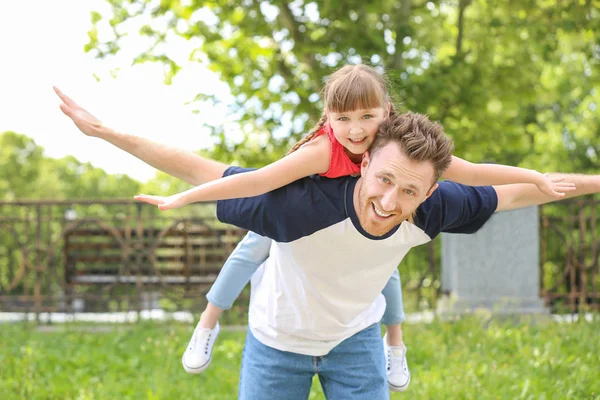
289,213
456,208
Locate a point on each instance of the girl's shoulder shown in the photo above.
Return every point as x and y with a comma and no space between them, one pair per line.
325,134
325,130
320,143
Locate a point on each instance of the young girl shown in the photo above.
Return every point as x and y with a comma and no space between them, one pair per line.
356,101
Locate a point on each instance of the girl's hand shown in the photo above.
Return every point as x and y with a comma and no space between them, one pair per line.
163,203
85,121
555,187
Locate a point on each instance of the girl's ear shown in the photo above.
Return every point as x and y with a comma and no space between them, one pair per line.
389,109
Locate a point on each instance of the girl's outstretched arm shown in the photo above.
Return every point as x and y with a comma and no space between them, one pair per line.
468,173
312,158
511,197
182,164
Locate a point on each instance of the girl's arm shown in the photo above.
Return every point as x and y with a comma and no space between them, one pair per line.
468,173
312,158
511,197
182,164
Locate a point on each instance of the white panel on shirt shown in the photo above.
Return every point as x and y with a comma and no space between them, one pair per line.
315,292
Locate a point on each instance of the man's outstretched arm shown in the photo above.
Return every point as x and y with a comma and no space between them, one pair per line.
515,196
182,164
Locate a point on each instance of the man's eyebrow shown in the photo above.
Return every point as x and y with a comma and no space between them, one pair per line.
392,177
414,187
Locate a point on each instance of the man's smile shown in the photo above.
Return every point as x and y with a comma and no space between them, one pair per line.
379,212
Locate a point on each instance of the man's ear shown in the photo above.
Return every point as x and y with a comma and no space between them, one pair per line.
365,162
431,190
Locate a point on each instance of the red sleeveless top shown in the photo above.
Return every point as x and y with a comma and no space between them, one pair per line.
339,164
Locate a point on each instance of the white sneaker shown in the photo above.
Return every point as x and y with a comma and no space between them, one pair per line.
398,375
198,355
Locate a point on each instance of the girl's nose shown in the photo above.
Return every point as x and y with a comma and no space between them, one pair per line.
356,129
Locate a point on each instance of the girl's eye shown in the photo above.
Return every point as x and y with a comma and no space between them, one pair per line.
367,116
343,119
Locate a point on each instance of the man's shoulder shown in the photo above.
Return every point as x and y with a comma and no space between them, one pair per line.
452,192
332,188
457,208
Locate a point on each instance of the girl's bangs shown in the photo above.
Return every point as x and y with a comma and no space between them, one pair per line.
354,94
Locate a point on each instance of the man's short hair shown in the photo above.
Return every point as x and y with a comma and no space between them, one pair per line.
420,138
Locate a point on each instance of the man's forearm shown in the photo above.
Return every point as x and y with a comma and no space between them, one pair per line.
179,163
524,195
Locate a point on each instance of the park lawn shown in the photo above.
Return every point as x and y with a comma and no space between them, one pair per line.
468,359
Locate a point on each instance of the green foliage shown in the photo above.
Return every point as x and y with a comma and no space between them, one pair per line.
467,359
19,165
512,82
25,173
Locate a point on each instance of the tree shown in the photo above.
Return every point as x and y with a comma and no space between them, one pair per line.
25,173
513,82
20,164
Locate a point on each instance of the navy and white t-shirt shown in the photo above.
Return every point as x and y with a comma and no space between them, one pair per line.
323,279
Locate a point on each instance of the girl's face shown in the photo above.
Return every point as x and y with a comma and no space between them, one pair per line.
356,129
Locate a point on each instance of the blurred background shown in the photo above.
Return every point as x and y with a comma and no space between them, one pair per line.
513,82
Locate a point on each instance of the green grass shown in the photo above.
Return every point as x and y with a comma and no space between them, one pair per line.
468,359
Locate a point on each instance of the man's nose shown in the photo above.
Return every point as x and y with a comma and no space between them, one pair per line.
388,201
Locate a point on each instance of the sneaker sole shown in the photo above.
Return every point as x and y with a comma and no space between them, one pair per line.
197,370
398,388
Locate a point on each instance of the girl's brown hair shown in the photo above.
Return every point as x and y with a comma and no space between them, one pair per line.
352,87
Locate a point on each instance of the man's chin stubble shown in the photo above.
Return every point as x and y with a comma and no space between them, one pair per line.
375,231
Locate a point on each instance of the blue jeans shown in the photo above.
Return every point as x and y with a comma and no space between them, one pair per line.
354,369
253,250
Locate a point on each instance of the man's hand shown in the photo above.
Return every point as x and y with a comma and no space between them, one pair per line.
85,121
555,186
521,195
163,203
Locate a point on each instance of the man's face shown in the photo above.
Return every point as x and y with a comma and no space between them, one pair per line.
391,189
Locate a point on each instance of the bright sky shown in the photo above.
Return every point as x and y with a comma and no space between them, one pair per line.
41,43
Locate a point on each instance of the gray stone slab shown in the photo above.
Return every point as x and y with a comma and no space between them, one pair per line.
497,268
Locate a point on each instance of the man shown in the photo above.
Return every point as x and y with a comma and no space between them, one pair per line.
316,301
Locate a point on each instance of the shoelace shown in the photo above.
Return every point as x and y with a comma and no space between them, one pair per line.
196,337
400,361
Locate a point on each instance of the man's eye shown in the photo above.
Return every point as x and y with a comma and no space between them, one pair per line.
409,192
385,180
